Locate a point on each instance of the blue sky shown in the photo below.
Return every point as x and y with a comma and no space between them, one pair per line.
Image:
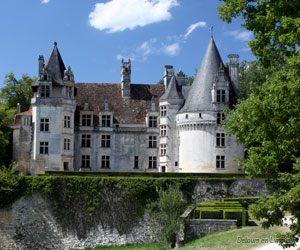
93,36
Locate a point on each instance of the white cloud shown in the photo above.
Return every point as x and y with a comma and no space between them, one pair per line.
241,35
119,15
171,49
192,27
45,1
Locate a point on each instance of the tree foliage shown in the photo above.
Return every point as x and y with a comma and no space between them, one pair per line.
274,23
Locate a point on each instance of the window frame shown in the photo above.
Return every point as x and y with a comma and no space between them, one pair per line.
85,161
153,121
67,121
44,147
86,120
220,140
86,140
163,130
163,111
220,161
67,143
105,161
44,91
44,125
220,117
136,162
163,149
106,121
105,141
221,96
152,162
152,141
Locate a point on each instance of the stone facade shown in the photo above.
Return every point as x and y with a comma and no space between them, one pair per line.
166,127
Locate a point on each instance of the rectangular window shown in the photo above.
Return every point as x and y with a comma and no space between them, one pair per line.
163,149
152,122
85,161
27,121
106,121
220,95
136,162
220,139
44,125
163,111
69,92
105,161
152,162
220,161
105,141
43,147
220,117
67,121
86,141
67,143
86,120
163,130
45,91
152,141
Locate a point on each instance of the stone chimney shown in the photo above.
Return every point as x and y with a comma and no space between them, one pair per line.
169,72
234,71
125,78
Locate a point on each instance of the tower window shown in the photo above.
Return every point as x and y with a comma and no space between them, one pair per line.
105,141
105,161
67,144
220,161
69,90
220,139
85,161
152,162
86,141
44,147
44,125
163,149
105,120
136,162
163,111
220,117
45,91
152,141
163,130
67,121
152,121
86,120
220,95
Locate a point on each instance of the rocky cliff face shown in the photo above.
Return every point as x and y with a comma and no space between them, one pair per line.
30,222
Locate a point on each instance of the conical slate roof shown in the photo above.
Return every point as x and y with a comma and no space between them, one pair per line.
55,65
172,91
199,98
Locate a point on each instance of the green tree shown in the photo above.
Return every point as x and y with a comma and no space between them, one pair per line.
251,75
17,91
274,23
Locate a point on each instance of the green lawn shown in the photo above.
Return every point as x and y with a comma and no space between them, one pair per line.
225,240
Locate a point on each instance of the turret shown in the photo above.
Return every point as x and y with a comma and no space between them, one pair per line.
125,78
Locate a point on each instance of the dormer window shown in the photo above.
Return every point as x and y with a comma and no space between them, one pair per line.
220,95
86,120
45,91
152,122
45,77
69,91
106,120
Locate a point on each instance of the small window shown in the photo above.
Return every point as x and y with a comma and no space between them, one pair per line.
163,130
220,117
220,161
44,125
105,141
163,111
152,162
200,115
152,122
106,121
136,162
69,90
220,139
220,95
152,141
44,147
176,163
67,121
186,116
85,161
45,91
163,149
86,120
67,143
26,121
105,161
85,141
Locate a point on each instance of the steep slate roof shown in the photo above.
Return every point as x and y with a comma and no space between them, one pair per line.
199,97
125,110
172,91
55,65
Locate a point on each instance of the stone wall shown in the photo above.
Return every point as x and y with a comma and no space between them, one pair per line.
30,222
197,228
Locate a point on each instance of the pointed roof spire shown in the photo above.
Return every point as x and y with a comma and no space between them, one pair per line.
55,65
172,91
199,97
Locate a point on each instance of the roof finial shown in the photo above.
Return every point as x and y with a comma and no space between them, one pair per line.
55,44
211,31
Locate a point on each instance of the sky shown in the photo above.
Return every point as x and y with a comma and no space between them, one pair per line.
94,35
